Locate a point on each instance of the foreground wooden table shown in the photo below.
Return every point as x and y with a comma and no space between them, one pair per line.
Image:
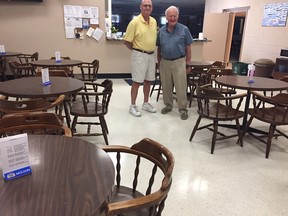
69,177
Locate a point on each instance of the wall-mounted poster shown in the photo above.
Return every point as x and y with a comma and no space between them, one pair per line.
275,14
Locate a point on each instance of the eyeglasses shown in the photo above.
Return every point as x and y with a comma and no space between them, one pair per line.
147,5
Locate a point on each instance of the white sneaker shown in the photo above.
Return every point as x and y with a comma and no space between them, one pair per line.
148,107
134,110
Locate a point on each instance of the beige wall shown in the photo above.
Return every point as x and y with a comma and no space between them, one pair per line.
259,42
30,27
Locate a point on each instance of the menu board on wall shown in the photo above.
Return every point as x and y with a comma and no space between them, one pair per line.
275,14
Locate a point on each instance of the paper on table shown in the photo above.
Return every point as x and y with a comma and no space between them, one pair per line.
15,156
45,76
97,34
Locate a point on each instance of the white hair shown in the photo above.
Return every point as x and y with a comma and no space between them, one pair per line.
170,8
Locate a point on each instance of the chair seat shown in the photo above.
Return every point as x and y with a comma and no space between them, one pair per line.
124,193
227,91
79,109
277,116
221,112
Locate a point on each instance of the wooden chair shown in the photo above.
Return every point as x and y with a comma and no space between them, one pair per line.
284,78
54,72
16,69
217,107
272,110
219,64
195,78
8,106
156,82
68,98
3,69
211,75
32,123
89,71
25,59
149,187
93,104
69,70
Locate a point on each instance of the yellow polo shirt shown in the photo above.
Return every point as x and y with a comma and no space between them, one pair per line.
141,34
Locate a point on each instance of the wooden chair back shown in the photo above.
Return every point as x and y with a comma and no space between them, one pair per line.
54,72
15,68
284,78
219,64
3,69
32,123
69,70
89,71
28,58
149,186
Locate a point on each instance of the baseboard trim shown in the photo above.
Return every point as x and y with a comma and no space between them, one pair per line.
113,75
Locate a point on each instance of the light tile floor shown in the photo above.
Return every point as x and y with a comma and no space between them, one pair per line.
233,181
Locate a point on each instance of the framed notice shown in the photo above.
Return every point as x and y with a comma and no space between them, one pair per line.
275,14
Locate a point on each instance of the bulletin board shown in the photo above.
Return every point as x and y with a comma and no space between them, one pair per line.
78,19
275,14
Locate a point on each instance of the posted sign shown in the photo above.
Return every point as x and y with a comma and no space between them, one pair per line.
14,155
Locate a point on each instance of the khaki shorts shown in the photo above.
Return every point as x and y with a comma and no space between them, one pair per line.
142,66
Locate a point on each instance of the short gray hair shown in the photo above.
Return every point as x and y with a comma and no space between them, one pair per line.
171,7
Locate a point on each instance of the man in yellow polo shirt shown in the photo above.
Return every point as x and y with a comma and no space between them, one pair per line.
140,38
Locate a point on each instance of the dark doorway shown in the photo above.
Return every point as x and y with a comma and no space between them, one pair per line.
237,38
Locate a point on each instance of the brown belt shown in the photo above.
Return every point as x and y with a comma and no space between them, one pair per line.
143,51
173,59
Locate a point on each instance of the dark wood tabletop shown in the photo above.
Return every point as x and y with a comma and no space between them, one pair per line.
260,83
32,87
69,177
10,54
53,63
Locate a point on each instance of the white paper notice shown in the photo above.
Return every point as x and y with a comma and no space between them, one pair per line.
97,34
90,32
45,76
14,152
69,32
94,12
2,49
94,21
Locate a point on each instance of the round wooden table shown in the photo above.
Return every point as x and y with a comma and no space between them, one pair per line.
10,54
32,87
53,63
259,84
69,177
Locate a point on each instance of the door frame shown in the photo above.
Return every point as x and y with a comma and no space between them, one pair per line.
234,12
